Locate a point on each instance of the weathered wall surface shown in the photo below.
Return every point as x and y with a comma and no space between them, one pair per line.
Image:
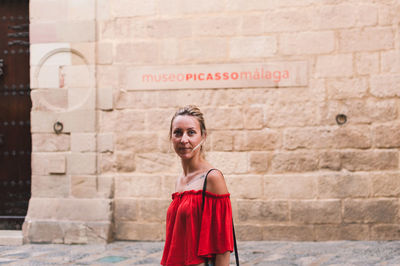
293,172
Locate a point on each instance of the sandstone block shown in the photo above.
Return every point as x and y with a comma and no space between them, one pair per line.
104,55
105,142
39,50
330,160
222,140
47,163
136,99
223,118
70,209
316,211
75,31
43,32
143,185
122,121
49,99
282,20
390,61
342,89
87,233
245,187
262,140
203,50
81,10
259,161
156,163
253,117
84,186
256,47
106,163
57,164
50,186
81,163
288,233
385,184
140,52
107,77
263,211
105,186
385,85
126,209
105,99
249,232
356,232
285,187
133,8
48,142
387,135
138,231
125,161
153,210
343,186
229,162
369,160
307,43
103,10
169,51
385,232
338,65
367,63
78,121
136,142
42,232
159,119
294,162
54,10
42,122
252,24
368,39
370,210
83,142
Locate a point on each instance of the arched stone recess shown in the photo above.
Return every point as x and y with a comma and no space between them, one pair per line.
70,203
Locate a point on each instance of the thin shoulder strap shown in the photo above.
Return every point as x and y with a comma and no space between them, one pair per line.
233,227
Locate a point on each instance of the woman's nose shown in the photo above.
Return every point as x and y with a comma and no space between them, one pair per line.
184,138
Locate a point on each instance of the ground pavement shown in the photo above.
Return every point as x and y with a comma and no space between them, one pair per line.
251,253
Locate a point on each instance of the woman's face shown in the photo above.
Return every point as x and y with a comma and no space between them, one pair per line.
186,136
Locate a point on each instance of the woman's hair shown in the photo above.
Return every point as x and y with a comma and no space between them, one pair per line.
190,110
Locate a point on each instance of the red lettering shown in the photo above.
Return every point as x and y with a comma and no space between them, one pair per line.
209,76
180,77
189,76
200,76
165,77
234,75
225,75
217,76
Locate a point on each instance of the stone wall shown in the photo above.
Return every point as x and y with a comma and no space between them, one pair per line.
293,172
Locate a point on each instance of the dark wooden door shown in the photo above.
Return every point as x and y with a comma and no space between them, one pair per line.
15,106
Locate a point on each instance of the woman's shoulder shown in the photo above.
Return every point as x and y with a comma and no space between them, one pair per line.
216,182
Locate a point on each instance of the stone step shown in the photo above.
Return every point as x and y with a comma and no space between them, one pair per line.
11,237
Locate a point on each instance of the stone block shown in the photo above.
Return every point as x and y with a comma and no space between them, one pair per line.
39,51
75,31
301,43
84,54
385,232
387,135
331,66
229,162
252,47
106,163
139,52
283,187
316,211
385,184
103,10
367,63
70,209
252,24
56,164
138,231
355,232
46,77
43,32
368,39
78,76
390,61
54,10
143,185
294,161
125,161
248,232
81,163
263,211
385,85
104,55
168,183
156,163
50,142
288,20
81,10
153,210
158,119
55,186
81,98
105,142
49,100
169,51
48,163
136,142
42,232
259,162
262,140
133,8
223,118
105,99
77,121
343,185
330,160
253,117
126,209
222,140
105,186
342,89
245,187
137,99
371,160
328,137
83,142
107,76
288,233
370,210
87,233
203,50
84,186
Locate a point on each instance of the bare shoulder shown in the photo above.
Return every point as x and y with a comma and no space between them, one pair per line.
216,183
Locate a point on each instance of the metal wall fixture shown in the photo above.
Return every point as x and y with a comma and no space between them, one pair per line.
58,127
341,119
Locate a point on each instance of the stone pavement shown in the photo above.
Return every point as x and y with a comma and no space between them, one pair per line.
251,253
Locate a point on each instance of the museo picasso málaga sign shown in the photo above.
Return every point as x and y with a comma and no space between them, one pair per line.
276,74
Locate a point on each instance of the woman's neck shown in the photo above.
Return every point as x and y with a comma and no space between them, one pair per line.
192,165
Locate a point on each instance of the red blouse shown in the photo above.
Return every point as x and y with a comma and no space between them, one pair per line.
191,236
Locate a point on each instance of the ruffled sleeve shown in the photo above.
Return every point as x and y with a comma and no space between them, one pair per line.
216,235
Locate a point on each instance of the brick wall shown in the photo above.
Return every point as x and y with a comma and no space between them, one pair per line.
293,172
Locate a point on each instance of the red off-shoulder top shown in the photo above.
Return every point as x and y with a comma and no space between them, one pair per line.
190,236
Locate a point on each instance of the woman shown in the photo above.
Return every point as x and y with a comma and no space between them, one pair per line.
195,235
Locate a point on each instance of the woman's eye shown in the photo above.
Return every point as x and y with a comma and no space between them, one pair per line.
177,133
191,132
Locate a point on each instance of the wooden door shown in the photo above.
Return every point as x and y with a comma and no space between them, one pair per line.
15,106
